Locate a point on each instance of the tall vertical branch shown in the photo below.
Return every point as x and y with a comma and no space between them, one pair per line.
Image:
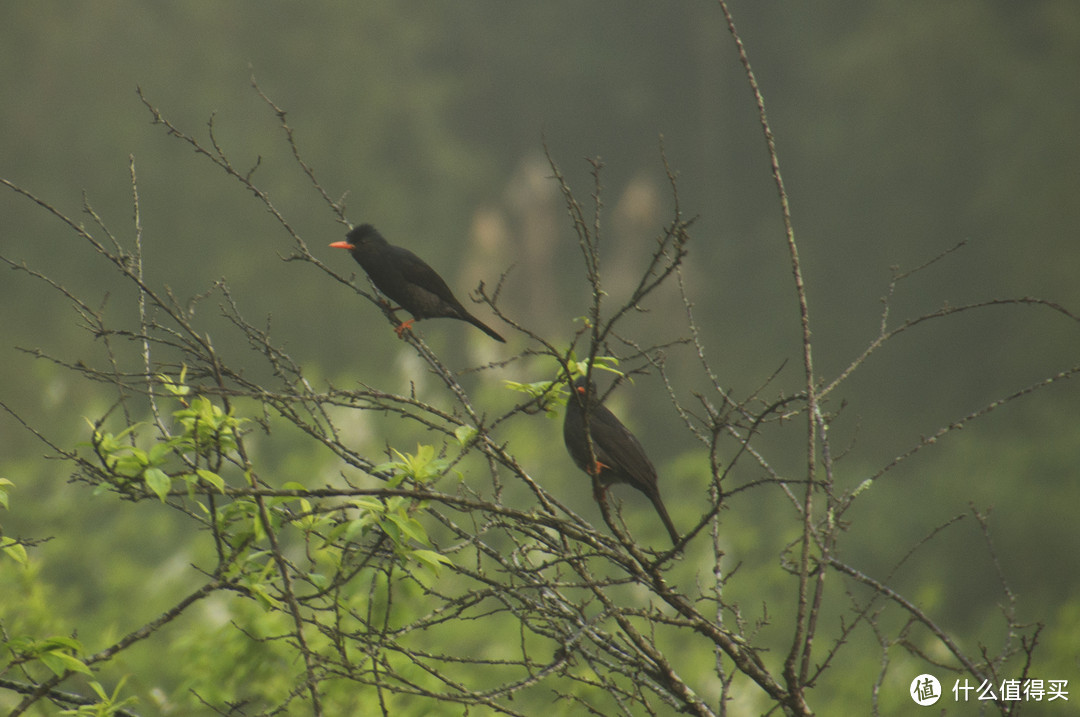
144,323
800,643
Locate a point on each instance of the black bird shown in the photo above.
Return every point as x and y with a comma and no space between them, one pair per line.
406,279
619,455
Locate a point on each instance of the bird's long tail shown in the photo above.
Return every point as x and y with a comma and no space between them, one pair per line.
655,498
484,327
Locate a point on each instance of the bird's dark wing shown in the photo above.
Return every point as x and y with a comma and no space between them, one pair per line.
619,449
416,271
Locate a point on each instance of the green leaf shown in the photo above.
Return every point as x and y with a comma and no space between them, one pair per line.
391,467
212,478
258,591
465,434
21,646
61,643
53,662
160,451
308,519
4,485
15,550
176,388
356,527
129,463
61,662
421,466
158,481
52,652
533,390
370,505
600,363
431,560
410,527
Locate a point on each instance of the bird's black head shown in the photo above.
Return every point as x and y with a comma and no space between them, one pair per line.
362,237
365,234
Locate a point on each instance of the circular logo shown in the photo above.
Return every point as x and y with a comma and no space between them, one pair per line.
925,690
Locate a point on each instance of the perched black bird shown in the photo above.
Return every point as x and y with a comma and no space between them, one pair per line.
406,279
619,456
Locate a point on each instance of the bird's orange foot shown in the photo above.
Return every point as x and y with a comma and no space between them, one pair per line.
598,468
599,488
403,327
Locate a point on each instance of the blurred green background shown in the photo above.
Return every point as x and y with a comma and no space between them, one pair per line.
901,130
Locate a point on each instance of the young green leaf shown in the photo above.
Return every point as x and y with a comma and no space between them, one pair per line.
158,481
465,434
430,559
14,550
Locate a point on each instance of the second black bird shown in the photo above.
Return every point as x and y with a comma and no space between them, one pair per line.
618,453
406,279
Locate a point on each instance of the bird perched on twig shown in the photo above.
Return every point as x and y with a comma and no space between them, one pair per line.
407,280
618,453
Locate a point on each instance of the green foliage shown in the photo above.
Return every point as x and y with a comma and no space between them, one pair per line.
108,704
247,525
59,654
465,435
14,550
10,546
5,484
421,467
208,434
549,394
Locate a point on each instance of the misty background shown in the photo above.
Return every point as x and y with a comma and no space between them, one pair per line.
902,130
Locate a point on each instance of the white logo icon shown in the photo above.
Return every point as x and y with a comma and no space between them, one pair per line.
925,690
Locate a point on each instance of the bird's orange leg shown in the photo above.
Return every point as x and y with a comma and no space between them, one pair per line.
403,327
599,489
